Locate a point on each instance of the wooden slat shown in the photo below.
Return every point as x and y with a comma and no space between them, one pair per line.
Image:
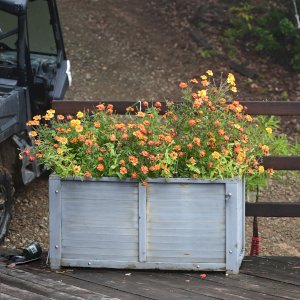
275,108
273,209
253,107
281,162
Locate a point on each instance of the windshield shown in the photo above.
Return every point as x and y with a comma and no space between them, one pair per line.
41,35
8,38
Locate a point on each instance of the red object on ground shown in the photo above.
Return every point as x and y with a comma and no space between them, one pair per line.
203,276
255,246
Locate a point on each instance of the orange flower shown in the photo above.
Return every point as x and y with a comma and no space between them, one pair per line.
265,149
133,160
197,103
145,103
27,152
101,107
168,139
112,137
194,80
192,160
270,171
129,109
144,170
97,124
197,141
100,167
221,132
60,117
192,122
140,114
173,155
123,170
244,138
183,85
205,83
190,146
145,153
87,174
133,175
125,136
157,104
151,157
32,133
225,151
202,153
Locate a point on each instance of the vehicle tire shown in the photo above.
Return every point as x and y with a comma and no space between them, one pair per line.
6,201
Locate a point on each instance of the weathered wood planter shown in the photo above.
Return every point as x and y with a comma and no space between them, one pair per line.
174,224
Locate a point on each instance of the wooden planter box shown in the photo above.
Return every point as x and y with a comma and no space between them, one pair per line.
171,224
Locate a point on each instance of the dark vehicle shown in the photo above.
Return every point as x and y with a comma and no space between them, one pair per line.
34,70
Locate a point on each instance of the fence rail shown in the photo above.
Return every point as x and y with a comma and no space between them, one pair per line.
276,108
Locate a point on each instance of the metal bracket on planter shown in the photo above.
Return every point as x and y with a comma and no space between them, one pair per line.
227,196
29,170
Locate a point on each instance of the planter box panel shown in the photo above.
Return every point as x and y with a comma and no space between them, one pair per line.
171,224
89,218
176,210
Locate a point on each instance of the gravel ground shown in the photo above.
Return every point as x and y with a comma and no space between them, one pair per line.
138,49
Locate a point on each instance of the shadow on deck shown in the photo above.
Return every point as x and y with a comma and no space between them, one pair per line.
259,278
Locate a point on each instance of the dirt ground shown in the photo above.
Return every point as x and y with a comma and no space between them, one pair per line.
138,49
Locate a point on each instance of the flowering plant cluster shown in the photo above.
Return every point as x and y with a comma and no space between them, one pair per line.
207,135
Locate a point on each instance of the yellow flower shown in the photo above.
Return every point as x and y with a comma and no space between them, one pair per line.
59,150
249,118
261,169
78,128
63,140
80,114
202,93
37,117
216,155
50,111
231,79
76,169
75,122
234,89
269,130
203,77
210,72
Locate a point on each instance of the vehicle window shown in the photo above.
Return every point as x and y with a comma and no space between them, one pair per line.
8,37
41,35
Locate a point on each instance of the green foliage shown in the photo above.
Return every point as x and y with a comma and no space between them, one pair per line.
269,30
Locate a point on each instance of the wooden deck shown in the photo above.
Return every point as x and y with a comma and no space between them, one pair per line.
259,278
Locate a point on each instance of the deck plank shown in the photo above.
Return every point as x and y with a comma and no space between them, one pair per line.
275,269
259,278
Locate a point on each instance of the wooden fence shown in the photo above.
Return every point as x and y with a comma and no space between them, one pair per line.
260,209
